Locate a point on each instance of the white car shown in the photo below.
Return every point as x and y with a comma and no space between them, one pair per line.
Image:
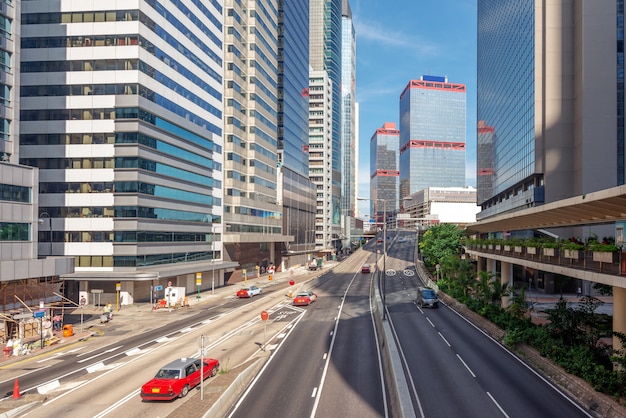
248,292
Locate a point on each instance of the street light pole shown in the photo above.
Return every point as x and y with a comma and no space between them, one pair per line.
384,259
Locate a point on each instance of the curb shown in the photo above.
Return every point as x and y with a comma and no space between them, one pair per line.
225,401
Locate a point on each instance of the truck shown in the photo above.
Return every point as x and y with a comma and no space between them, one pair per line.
313,264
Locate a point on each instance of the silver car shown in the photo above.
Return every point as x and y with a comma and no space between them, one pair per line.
427,297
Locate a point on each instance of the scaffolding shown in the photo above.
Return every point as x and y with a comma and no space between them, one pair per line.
24,296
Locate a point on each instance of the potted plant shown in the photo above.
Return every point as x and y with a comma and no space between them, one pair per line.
603,252
531,246
549,247
572,249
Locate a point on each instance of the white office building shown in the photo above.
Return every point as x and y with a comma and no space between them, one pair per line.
121,111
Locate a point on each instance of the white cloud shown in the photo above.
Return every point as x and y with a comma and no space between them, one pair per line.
373,32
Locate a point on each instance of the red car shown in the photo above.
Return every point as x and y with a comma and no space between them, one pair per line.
365,269
248,292
304,298
176,378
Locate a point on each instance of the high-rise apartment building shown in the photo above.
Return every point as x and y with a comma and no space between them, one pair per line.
551,90
253,233
121,110
384,173
348,124
320,159
22,273
432,134
325,55
297,193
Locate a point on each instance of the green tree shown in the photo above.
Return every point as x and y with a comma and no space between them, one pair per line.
458,273
439,241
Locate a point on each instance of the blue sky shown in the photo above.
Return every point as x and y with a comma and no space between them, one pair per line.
399,40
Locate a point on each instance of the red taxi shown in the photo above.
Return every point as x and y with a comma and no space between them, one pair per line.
176,378
304,298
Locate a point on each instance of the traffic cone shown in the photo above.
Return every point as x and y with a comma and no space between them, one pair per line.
16,390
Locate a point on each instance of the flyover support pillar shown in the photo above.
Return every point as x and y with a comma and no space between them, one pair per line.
619,314
506,277
491,267
480,262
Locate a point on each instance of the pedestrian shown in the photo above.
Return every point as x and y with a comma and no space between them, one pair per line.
56,322
108,310
579,292
47,328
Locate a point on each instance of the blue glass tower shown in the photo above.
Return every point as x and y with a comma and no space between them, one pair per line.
432,135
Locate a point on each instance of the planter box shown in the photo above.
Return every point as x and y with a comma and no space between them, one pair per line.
518,249
575,254
549,252
531,250
498,247
490,246
603,257
507,248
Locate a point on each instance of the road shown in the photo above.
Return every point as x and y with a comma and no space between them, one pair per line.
97,380
454,369
329,365
322,360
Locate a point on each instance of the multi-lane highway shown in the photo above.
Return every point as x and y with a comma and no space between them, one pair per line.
330,366
326,359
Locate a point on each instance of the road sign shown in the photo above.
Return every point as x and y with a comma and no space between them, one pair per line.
291,282
39,314
23,316
158,288
264,316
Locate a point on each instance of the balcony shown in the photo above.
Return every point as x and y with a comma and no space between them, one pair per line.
611,263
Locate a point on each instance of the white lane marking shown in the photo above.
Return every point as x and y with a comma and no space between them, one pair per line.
110,350
42,390
52,357
324,356
117,404
185,330
430,322
498,405
133,352
314,393
444,339
282,335
12,379
162,340
466,366
94,367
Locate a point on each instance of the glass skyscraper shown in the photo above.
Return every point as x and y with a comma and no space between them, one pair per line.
325,56
348,122
298,192
550,101
432,134
384,161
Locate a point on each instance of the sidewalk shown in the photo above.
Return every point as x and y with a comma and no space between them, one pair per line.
540,302
129,316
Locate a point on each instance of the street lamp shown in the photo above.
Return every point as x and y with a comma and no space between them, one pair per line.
384,277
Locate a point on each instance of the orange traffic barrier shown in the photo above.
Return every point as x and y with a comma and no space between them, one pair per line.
16,390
